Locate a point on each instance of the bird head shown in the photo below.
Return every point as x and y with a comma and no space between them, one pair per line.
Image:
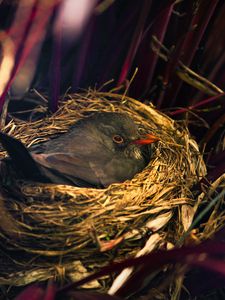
120,134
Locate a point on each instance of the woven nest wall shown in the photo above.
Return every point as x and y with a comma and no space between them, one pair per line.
50,230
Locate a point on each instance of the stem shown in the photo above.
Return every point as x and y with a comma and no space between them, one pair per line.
201,103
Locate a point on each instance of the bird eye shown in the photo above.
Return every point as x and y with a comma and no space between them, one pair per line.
141,130
118,139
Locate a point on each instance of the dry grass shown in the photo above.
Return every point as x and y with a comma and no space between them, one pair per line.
52,227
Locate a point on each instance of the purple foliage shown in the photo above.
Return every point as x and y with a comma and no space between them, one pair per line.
111,44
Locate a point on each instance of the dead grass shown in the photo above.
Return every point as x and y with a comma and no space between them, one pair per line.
54,226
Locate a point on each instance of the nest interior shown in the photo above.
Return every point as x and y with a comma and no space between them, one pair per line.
50,230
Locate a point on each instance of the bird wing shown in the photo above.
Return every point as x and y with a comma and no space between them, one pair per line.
76,169
55,167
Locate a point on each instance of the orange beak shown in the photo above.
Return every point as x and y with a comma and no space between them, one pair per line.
148,140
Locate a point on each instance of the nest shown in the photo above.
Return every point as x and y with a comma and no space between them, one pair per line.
59,231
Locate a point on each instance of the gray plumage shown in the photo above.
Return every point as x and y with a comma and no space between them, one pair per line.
96,151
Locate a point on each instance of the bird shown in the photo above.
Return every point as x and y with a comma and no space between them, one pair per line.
98,150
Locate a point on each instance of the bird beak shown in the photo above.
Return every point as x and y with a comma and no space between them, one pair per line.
149,139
